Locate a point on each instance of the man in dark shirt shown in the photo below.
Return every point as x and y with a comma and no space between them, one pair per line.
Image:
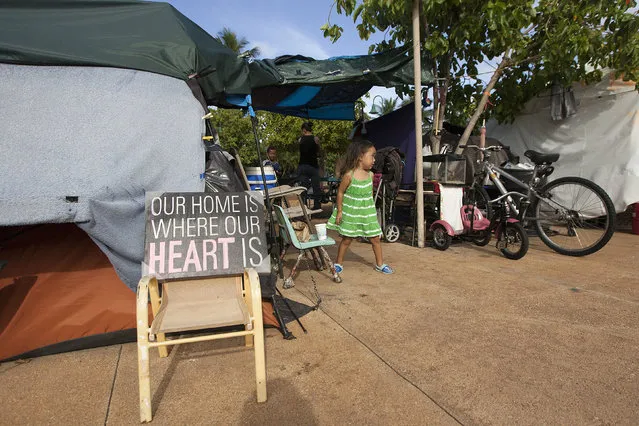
309,165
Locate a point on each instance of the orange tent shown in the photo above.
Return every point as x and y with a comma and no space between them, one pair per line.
59,292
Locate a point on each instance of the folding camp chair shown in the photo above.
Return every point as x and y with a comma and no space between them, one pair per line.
292,200
198,304
291,196
290,238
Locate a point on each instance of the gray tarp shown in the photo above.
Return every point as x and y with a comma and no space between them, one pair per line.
103,135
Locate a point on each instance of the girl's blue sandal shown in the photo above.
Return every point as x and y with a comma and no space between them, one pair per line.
338,268
384,269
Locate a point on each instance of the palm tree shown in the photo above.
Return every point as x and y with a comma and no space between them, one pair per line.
237,44
388,105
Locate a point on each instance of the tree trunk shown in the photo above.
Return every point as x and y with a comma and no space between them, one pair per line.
440,113
442,104
484,99
434,137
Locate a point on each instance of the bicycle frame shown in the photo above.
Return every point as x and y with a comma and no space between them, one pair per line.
551,201
493,172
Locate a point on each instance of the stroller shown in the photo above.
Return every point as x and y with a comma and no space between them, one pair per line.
388,171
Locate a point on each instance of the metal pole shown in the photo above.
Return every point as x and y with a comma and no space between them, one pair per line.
419,161
272,239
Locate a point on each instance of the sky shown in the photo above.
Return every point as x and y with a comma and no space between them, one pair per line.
280,27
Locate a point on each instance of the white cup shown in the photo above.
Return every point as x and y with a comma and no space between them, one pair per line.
321,231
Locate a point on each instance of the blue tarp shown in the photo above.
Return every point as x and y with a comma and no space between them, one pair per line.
328,89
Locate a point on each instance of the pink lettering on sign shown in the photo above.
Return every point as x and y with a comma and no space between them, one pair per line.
192,258
206,253
173,255
225,250
156,258
198,258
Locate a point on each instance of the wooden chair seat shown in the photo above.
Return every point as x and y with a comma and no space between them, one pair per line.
200,304
283,190
298,211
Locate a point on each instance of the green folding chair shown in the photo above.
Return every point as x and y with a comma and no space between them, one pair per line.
290,239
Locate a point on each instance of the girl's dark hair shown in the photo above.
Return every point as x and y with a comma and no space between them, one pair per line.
353,152
308,126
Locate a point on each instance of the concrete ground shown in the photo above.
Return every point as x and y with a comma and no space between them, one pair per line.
463,336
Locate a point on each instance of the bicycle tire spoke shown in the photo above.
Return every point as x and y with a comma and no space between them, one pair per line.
577,228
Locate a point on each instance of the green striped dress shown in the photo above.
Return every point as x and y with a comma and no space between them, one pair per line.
359,216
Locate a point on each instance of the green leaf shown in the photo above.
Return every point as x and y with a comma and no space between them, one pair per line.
564,37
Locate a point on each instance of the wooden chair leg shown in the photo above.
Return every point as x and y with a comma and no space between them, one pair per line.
258,334
155,307
248,339
142,316
260,361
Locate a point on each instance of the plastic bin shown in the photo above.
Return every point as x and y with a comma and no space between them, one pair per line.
447,168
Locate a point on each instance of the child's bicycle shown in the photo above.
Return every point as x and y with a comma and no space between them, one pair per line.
512,240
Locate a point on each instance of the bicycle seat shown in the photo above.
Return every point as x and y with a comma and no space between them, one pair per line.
539,158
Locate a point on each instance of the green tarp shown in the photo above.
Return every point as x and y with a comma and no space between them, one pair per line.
146,36
155,37
391,68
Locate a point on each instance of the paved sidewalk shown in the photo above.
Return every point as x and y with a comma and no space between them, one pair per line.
462,336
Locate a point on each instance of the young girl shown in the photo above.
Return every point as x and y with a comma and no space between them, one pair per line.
355,215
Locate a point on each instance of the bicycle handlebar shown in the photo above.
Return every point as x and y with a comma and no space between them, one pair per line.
487,148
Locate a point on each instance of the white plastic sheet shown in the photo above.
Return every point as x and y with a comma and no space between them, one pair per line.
600,142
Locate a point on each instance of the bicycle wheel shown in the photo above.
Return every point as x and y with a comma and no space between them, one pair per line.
516,241
574,216
476,195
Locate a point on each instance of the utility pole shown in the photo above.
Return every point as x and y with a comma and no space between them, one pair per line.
419,161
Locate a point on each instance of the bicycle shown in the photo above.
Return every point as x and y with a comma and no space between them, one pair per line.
571,215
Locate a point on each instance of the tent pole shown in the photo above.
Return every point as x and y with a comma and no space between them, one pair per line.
272,239
419,161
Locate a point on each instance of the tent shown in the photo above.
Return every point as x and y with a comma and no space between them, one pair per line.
129,34
599,142
101,101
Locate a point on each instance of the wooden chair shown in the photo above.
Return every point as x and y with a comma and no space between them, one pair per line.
290,238
198,304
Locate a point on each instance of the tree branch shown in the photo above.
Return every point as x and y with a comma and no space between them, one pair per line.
328,18
505,62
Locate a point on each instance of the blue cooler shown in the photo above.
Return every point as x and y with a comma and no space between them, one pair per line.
254,177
